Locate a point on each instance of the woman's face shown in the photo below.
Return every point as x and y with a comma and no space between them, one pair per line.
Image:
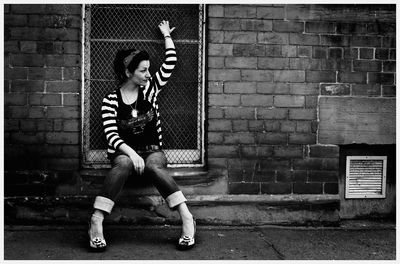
141,74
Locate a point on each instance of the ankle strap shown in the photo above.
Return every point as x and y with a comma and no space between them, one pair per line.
96,216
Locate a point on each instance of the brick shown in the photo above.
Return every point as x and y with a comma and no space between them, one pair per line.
216,62
289,76
15,20
272,126
63,112
28,138
335,40
215,87
215,36
71,73
71,99
264,176
50,47
304,89
303,139
239,138
240,125
264,151
323,151
28,46
304,64
305,51
388,42
303,127
365,41
273,51
288,126
239,113
331,188
16,73
241,62
16,111
272,164
303,39
392,54
291,176
244,188
237,175
256,125
288,26
336,64
257,100
248,50
288,152
272,138
71,47
351,28
273,63
289,101
224,100
307,188
336,53
289,51
381,54
242,37
389,66
215,112
272,88
273,38
68,34
381,78
320,53
10,46
273,113
256,25
11,125
63,86
219,125
257,75
28,125
64,138
335,89
319,27
215,137
44,125
222,151
223,75
320,76
37,112
45,99
388,90
366,89
276,188
63,164
240,87
302,114
351,53
71,125
366,53
270,12
240,11
311,101
72,60
313,164
215,10
58,125
44,73
15,99
322,176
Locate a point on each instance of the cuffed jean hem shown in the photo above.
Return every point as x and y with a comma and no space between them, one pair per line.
103,203
175,199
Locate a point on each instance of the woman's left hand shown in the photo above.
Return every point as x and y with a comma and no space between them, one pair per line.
164,28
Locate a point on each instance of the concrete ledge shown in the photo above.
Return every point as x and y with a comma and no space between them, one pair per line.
208,210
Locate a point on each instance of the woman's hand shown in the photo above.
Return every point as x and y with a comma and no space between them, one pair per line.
165,29
138,162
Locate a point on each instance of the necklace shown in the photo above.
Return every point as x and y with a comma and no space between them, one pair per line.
134,111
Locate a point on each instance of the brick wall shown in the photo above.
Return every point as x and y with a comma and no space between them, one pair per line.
42,70
268,68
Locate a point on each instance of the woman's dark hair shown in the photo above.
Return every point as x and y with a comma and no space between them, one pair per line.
119,67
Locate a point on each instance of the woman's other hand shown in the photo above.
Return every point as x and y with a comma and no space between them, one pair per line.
165,29
138,163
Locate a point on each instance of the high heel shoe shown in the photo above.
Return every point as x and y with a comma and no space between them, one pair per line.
96,244
187,242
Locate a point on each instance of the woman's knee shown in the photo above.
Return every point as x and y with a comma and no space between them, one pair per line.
123,164
156,161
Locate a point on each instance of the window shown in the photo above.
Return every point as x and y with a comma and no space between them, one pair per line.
108,28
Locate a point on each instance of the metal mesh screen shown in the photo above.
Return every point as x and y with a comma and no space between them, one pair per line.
109,28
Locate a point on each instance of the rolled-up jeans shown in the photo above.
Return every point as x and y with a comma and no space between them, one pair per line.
155,169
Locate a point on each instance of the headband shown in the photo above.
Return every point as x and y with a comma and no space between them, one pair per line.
129,58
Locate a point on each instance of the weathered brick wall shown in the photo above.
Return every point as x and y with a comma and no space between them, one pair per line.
42,70
268,68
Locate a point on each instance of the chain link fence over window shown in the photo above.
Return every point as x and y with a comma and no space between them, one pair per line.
109,28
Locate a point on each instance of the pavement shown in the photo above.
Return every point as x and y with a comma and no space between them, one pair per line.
352,240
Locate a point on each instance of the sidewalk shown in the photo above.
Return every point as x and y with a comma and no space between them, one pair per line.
354,240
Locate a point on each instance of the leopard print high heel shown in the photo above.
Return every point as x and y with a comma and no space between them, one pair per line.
187,242
96,244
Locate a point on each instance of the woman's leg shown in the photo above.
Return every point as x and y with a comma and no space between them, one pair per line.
156,169
122,167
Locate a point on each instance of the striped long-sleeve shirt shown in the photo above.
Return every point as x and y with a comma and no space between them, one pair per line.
111,108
